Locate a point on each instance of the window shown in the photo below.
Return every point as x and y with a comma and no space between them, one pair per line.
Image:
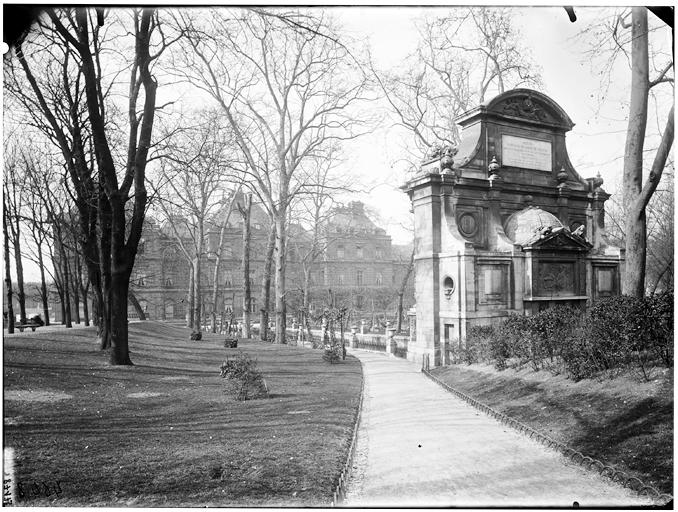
253,305
168,282
341,278
379,279
228,251
359,277
359,251
378,253
228,279
340,251
321,277
257,226
359,302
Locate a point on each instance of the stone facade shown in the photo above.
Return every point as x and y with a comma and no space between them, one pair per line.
505,225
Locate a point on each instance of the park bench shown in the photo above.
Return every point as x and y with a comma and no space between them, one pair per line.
32,325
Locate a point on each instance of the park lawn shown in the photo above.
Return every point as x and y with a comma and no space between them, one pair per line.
164,432
621,421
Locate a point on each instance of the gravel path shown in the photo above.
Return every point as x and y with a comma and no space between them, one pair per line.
419,445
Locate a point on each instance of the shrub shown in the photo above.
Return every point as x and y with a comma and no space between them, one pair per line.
477,346
231,343
245,381
37,319
196,336
332,353
659,326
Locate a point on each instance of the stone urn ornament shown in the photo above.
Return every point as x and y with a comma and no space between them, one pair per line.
447,159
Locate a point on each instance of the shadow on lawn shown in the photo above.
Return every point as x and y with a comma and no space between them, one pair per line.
632,432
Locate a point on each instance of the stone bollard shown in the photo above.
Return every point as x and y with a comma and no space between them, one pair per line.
354,337
391,343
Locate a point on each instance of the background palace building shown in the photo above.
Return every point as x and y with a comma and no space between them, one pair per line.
358,263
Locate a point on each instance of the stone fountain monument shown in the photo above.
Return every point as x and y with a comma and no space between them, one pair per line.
505,225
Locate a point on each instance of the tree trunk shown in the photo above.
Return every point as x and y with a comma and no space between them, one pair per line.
401,292
21,295
8,276
190,319
119,323
280,246
65,285
104,211
246,211
217,261
197,321
137,307
75,282
85,305
265,301
44,298
635,225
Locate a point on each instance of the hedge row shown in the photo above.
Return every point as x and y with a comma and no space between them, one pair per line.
617,332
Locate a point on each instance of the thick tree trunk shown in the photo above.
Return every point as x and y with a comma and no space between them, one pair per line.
635,225
279,255
104,210
245,211
265,300
8,276
85,305
119,323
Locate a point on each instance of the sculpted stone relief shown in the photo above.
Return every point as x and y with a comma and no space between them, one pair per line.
525,107
555,278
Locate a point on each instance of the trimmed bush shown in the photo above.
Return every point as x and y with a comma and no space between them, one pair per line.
615,332
231,343
244,379
196,336
37,319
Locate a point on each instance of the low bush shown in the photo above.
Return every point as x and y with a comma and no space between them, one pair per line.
333,353
37,319
196,336
615,332
245,381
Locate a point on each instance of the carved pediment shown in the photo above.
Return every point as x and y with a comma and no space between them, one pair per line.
560,239
527,107
531,106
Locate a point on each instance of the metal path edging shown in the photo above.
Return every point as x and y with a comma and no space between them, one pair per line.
586,462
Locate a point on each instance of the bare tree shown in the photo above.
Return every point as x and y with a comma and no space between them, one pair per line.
636,193
78,35
218,254
197,168
462,57
245,210
13,196
285,92
8,276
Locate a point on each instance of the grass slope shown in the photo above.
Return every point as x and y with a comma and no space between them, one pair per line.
622,422
179,439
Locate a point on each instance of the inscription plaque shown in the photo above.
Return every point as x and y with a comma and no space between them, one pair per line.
526,153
